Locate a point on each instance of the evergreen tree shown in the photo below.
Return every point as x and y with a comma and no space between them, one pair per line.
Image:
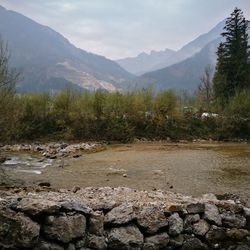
233,64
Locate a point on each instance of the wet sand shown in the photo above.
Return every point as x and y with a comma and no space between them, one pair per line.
192,169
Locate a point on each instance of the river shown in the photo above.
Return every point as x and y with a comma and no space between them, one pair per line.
190,168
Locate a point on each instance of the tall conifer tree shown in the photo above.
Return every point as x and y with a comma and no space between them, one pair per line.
233,64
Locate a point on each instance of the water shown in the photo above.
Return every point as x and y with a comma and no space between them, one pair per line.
25,163
192,169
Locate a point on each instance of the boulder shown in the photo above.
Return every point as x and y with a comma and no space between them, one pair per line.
201,228
43,245
189,220
156,242
71,246
17,230
216,234
75,206
196,208
237,234
80,243
96,224
212,214
175,224
35,207
194,244
151,219
176,242
125,238
120,215
65,228
233,221
96,242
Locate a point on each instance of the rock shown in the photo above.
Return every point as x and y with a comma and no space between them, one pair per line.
2,159
76,156
120,215
44,184
246,211
125,238
124,175
52,157
65,228
96,224
176,242
43,245
216,234
175,224
96,242
237,234
156,242
17,230
104,205
233,221
247,215
76,206
194,244
75,189
212,214
71,247
35,207
201,228
175,209
196,208
189,220
209,196
80,243
151,219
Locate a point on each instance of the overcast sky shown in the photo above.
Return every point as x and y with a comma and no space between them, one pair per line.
121,28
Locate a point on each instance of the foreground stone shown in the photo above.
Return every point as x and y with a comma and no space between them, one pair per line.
71,221
124,238
17,230
65,228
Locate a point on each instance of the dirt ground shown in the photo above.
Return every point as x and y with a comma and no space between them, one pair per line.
192,169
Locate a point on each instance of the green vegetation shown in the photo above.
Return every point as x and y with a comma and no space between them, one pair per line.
233,66
122,117
117,117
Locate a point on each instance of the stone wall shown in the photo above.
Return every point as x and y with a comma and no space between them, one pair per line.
45,224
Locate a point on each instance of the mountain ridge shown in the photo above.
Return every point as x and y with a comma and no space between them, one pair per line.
42,54
188,50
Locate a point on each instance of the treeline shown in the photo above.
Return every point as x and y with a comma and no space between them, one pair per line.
118,117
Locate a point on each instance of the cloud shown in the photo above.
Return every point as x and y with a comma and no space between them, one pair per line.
120,28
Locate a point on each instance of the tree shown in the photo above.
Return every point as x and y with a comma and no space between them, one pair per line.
233,64
8,76
205,90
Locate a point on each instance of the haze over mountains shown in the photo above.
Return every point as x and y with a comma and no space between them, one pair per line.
49,62
144,63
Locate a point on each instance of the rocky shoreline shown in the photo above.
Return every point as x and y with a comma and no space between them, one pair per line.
120,218
55,150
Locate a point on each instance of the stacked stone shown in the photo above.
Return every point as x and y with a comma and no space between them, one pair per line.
33,223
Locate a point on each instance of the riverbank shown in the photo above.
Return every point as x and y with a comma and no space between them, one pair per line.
189,168
120,218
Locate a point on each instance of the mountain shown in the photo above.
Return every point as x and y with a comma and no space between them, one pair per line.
185,75
145,62
43,56
168,58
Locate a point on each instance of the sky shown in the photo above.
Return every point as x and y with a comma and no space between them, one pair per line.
125,28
